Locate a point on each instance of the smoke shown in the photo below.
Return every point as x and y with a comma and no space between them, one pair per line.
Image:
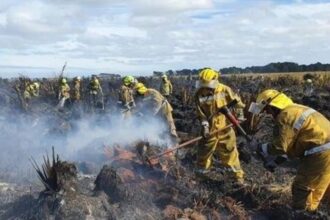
24,136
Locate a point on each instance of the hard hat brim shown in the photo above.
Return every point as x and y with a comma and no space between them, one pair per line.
211,84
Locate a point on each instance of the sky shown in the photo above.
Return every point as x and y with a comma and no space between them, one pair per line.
140,36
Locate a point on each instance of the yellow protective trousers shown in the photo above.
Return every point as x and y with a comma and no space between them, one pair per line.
224,146
312,181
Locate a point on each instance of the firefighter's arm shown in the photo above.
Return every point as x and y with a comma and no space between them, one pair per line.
203,119
156,104
36,92
100,88
283,140
275,153
201,116
204,122
239,106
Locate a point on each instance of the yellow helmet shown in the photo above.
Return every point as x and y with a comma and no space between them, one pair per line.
63,80
140,88
274,98
128,80
208,78
36,85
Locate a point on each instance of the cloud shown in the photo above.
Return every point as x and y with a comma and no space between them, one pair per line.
143,35
151,7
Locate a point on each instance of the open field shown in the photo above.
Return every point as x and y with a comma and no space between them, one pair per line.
106,178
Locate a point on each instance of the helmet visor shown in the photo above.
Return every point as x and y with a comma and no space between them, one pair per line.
211,84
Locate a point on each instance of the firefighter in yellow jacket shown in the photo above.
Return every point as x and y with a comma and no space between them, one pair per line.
31,90
157,105
76,96
95,93
63,93
126,98
300,132
210,97
166,87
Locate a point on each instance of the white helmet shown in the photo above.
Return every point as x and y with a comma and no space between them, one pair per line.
37,85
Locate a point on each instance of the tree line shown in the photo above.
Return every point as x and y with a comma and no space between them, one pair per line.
280,67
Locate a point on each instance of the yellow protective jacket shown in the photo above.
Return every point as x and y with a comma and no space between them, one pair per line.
95,85
126,95
208,105
64,90
294,138
30,91
166,87
155,103
76,90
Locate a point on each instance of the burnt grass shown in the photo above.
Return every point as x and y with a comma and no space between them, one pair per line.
128,188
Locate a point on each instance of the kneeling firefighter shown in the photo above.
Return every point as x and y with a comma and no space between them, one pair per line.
300,132
209,98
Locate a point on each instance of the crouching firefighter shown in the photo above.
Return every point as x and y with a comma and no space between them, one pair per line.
300,132
209,98
155,104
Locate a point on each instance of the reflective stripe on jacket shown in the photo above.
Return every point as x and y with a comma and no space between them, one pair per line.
298,129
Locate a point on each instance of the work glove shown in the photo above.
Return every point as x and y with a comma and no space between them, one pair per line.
270,162
205,129
240,115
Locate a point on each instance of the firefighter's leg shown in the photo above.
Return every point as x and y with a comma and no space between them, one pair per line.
171,124
228,154
62,102
205,152
127,114
311,182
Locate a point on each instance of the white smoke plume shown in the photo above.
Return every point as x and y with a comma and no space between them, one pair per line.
24,136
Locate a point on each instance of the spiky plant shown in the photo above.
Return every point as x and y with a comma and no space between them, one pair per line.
47,172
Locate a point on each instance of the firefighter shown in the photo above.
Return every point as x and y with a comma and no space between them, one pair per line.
308,87
76,96
96,93
166,87
31,90
126,98
209,98
155,104
64,93
300,132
